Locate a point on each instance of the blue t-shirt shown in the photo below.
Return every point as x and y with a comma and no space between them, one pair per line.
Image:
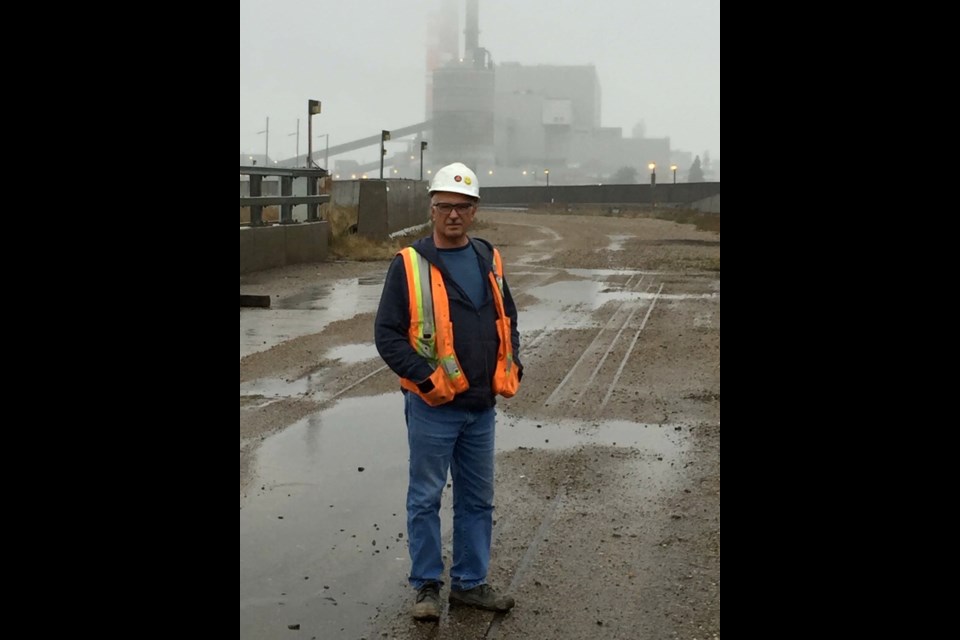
463,265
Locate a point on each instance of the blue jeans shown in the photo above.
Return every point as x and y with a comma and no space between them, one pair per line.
462,442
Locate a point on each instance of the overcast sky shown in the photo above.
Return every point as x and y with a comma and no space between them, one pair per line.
365,60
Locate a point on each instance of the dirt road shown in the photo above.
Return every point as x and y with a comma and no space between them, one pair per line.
608,466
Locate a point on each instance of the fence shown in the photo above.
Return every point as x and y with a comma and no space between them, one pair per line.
264,246
286,200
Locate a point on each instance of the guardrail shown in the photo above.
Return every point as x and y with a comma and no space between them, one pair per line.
286,200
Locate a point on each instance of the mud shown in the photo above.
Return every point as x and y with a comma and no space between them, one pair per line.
608,464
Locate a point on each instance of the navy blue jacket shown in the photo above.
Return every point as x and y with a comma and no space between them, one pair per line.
475,338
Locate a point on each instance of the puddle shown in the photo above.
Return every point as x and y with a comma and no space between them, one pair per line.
323,527
273,388
353,353
664,440
616,243
590,295
309,311
309,386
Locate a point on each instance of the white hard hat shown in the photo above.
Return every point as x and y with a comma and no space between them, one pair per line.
456,178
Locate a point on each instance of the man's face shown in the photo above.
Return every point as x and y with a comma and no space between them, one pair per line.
452,214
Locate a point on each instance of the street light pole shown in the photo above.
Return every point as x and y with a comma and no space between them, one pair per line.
653,181
313,186
384,136
673,168
313,107
423,147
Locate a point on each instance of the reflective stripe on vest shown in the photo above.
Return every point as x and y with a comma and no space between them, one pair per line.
505,378
431,333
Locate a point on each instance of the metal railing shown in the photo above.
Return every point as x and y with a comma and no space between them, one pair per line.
286,200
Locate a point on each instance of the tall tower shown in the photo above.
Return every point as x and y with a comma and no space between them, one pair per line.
462,103
443,43
471,31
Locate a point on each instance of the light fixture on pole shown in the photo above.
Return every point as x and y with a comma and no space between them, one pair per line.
423,147
673,168
653,181
546,172
313,107
313,186
384,136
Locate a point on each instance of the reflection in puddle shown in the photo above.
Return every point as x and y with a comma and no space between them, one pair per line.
591,295
367,431
272,388
325,517
307,312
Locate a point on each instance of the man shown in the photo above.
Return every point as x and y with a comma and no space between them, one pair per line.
447,325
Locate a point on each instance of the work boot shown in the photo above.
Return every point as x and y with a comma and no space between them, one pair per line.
427,605
482,597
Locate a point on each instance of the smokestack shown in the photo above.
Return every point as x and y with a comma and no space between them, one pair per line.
471,33
443,44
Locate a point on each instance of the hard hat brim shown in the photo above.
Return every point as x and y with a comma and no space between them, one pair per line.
454,189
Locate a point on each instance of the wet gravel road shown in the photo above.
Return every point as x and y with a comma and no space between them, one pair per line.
608,464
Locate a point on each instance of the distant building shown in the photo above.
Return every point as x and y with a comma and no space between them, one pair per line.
512,123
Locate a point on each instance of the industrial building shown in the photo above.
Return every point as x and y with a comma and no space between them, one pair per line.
514,124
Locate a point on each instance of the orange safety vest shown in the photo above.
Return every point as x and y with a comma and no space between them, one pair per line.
431,333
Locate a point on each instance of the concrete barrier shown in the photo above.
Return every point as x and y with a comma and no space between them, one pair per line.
707,205
387,206
281,245
669,194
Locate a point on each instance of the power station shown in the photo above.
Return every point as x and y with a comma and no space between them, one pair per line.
513,124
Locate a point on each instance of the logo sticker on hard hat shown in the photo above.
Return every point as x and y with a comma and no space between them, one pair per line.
467,180
458,179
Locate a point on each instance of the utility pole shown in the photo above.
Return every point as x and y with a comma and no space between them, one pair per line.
423,147
653,182
313,107
313,187
384,136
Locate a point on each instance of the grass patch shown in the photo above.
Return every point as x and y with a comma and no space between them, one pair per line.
702,221
345,244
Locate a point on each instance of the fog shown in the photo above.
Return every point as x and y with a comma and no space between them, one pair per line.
657,62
